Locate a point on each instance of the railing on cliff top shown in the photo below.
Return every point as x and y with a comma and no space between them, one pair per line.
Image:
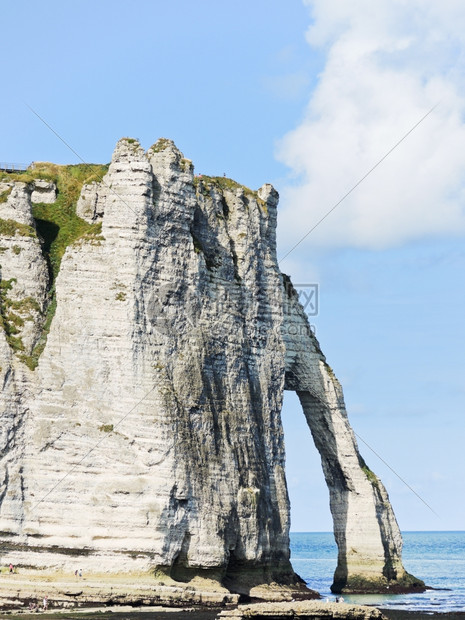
8,167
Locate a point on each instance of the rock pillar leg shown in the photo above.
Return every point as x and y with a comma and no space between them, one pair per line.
365,528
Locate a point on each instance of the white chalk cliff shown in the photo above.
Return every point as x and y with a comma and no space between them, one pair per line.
149,436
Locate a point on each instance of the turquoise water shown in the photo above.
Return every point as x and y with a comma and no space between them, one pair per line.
436,557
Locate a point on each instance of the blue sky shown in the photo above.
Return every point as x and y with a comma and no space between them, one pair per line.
308,95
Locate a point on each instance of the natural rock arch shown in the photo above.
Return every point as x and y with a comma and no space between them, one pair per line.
365,528
174,336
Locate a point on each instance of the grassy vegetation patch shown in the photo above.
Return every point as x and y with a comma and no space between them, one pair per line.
160,145
32,360
93,236
106,428
42,170
10,320
58,226
4,195
368,473
10,228
14,313
186,165
57,223
205,184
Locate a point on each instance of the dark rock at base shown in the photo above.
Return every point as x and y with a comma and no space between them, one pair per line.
360,585
265,584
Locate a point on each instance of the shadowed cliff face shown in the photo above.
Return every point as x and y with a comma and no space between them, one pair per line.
150,434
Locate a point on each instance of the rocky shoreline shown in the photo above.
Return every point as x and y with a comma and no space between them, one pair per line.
314,610
64,592
135,591
133,596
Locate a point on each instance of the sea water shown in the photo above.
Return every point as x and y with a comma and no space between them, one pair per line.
438,558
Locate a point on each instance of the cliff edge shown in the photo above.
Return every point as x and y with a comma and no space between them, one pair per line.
147,340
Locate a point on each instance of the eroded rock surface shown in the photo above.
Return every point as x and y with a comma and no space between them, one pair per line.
302,609
149,435
44,191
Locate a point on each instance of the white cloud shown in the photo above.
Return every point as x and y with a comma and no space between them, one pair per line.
388,62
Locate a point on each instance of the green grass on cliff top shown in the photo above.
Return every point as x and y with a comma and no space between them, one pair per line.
58,226
57,223
206,183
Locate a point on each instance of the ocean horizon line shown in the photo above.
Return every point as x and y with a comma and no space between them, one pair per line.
402,531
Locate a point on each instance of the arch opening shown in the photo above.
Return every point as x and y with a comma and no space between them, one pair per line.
306,484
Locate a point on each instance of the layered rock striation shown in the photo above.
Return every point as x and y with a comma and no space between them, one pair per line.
148,436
